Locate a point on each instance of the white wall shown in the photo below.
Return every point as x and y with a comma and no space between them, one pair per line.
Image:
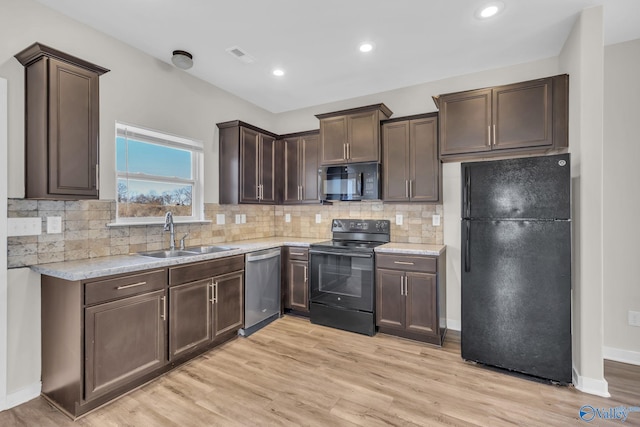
621,201
416,100
139,90
3,244
582,57
23,336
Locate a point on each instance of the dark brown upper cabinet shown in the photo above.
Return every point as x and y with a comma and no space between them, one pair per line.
527,117
247,164
411,169
62,124
351,136
300,180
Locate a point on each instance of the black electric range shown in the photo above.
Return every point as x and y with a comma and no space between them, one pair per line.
342,280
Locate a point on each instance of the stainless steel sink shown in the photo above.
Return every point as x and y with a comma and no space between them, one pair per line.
190,251
208,249
167,254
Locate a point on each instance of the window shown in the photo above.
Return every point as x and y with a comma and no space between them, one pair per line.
156,173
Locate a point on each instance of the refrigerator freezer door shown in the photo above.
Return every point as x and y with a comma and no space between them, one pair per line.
534,187
516,296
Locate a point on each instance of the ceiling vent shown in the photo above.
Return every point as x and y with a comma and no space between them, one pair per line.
240,54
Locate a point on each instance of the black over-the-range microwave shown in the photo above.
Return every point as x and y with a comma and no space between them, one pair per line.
351,182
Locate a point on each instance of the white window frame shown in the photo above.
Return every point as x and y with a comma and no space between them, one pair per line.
142,134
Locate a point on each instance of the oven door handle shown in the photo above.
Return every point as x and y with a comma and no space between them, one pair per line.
348,254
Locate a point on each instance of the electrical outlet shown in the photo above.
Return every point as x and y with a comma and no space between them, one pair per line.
24,226
220,219
634,318
243,218
398,219
238,219
287,217
54,224
318,218
435,220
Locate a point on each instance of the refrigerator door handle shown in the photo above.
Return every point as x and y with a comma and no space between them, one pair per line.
466,194
467,252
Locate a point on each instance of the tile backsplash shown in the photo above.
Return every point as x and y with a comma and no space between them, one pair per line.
85,233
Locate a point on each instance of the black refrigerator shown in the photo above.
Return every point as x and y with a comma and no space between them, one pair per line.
516,265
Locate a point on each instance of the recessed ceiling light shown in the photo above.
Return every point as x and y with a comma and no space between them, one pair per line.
489,10
366,47
278,72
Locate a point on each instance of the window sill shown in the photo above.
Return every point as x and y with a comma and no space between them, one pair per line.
135,224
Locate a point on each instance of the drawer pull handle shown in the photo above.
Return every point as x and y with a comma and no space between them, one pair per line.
403,262
296,253
133,285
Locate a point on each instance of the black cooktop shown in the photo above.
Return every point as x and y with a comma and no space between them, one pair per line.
361,235
348,244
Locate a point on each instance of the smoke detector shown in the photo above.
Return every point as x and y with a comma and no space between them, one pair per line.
240,54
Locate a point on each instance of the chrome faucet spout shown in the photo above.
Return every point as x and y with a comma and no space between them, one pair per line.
168,226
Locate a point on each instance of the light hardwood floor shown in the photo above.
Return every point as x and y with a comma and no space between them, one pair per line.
296,373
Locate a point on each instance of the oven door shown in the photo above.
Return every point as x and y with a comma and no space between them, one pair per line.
342,279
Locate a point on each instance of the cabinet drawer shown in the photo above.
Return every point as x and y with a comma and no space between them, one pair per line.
206,269
298,253
120,287
406,262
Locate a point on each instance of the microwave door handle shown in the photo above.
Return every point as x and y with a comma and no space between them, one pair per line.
360,184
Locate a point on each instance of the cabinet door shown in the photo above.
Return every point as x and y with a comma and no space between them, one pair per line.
364,137
390,301
249,163
424,164
465,122
228,303
309,168
522,115
395,161
124,340
291,171
267,180
73,130
298,276
189,317
422,314
333,138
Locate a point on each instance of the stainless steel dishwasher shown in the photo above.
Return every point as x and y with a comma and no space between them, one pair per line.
261,289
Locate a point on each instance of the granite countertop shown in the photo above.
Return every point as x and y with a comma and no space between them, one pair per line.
411,249
120,264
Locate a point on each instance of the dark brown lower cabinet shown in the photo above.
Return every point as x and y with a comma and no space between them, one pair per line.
297,280
228,306
410,300
190,317
208,308
104,337
124,340
203,310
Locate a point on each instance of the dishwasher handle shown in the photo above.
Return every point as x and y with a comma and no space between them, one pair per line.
259,256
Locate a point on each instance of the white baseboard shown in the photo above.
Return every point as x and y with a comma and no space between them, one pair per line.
23,395
454,325
591,385
619,355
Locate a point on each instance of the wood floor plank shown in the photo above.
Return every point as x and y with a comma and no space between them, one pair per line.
295,373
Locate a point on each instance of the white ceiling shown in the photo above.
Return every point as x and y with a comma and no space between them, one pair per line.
316,42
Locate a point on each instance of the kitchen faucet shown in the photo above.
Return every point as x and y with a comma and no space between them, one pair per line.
168,226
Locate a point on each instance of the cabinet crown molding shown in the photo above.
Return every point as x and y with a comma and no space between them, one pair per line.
38,50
